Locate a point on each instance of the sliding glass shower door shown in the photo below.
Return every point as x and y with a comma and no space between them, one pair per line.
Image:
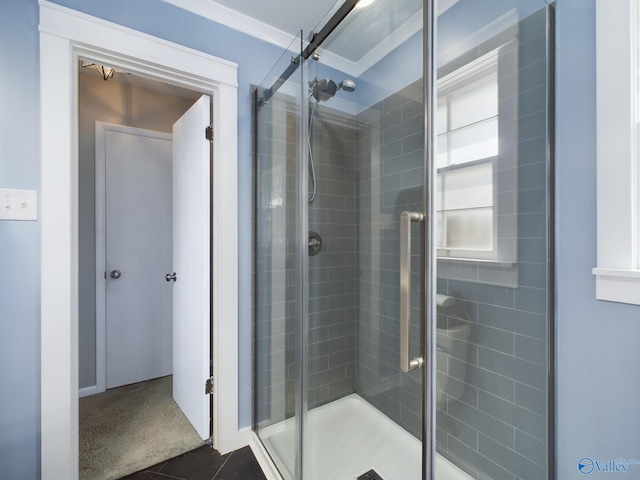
403,230
279,265
366,285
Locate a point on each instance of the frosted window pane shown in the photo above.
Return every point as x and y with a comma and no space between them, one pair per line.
442,158
469,187
441,120
438,196
438,232
475,142
475,103
470,229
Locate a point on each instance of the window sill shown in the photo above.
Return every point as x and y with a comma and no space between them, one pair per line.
489,272
480,261
618,285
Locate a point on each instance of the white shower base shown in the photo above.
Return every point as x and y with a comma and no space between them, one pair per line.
349,437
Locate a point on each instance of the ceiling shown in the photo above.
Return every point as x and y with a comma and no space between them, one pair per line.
290,16
363,38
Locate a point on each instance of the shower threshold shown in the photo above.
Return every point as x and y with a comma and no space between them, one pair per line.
348,438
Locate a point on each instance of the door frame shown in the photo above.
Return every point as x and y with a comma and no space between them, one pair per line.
101,129
65,36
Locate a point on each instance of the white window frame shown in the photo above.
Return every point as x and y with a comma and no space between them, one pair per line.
618,271
455,82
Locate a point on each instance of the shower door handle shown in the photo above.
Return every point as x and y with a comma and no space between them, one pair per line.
406,219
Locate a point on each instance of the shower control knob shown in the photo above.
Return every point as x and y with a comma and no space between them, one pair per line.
315,243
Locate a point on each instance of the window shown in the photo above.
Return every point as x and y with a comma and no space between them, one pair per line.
468,148
618,268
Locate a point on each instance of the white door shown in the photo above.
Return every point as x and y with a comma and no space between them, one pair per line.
191,263
138,255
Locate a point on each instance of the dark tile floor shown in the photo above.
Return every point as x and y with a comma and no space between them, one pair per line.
205,463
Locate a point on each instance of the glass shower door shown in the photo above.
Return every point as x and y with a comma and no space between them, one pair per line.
489,217
366,137
278,268
403,302
494,215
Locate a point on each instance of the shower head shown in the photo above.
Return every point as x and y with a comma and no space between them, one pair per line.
347,85
324,89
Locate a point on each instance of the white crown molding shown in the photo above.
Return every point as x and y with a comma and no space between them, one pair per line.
238,21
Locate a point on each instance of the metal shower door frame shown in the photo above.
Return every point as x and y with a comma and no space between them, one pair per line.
429,246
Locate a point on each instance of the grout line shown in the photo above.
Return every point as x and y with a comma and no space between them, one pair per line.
164,474
222,466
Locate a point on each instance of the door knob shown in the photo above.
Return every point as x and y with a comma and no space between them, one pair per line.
170,276
115,274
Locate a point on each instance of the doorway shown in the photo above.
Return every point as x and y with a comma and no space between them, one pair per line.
131,113
133,253
129,233
67,35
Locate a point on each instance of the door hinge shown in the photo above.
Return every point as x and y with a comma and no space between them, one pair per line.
208,133
208,386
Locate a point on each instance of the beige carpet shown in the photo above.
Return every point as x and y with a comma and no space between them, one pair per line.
130,428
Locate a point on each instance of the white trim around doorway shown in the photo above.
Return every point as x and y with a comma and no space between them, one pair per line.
66,36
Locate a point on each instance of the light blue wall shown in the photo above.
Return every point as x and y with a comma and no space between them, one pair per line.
598,347
598,353
19,243
20,168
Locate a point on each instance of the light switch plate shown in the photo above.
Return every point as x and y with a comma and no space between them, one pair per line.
18,204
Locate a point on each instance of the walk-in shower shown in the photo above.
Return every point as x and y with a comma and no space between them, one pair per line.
413,339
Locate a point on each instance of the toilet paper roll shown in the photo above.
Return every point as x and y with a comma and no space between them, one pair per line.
444,300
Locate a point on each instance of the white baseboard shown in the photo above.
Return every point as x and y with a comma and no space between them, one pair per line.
86,391
264,460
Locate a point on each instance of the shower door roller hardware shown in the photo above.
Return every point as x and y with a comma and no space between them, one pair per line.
170,276
406,219
115,274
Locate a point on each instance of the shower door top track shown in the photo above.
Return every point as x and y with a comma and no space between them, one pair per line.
315,40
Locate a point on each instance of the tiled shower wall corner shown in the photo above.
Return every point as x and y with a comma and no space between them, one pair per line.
331,273
390,178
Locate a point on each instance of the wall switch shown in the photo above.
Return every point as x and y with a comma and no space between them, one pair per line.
18,204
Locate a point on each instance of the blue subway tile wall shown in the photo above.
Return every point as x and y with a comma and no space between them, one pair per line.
276,272
332,272
495,428
331,275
